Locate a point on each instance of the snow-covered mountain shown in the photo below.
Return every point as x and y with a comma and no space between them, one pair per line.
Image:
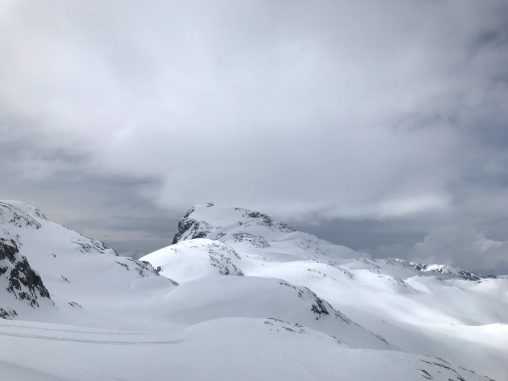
51,272
238,295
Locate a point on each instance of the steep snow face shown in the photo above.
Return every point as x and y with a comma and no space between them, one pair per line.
42,262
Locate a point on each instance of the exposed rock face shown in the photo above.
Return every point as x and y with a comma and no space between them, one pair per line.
19,278
189,228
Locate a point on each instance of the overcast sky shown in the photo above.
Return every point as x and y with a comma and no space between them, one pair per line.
381,125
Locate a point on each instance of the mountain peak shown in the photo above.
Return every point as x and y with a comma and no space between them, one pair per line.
209,221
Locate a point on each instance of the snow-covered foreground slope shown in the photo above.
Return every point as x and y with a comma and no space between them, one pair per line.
221,349
239,295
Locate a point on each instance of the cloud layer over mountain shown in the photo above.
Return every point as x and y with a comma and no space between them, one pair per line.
378,124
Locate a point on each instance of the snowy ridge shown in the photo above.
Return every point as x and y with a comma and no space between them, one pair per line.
239,295
20,215
43,260
194,259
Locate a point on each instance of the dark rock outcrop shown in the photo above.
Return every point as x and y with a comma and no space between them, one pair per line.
19,278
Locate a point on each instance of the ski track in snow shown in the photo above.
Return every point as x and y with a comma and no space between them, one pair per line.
87,341
87,331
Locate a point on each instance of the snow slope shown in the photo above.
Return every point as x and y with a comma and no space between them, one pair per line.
430,309
194,259
73,269
239,295
221,349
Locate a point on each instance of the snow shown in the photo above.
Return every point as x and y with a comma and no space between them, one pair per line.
228,348
241,295
194,259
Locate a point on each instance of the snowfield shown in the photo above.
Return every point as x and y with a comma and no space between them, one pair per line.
238,295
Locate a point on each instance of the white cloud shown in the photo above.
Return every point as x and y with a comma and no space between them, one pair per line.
464,246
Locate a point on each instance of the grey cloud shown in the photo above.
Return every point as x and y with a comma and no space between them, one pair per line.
367,235
464,246
389,115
